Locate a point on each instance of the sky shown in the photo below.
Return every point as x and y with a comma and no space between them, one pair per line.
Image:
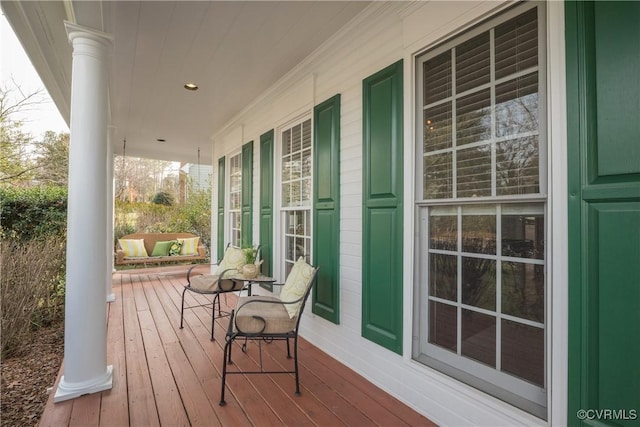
15,64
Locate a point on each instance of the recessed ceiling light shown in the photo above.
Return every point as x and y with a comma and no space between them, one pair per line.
161,140
190,86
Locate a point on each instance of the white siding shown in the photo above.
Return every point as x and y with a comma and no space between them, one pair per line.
381,35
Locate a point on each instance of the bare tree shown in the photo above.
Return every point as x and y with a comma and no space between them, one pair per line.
16,166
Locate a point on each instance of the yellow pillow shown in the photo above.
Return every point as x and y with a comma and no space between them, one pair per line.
189,246
296,285
233,258
133,248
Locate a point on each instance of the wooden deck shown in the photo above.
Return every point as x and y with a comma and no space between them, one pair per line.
168,376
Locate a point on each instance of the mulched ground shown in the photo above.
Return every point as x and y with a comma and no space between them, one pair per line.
27,379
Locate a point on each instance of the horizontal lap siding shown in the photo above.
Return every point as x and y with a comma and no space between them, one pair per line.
340,67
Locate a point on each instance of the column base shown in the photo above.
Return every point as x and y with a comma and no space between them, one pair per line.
71,391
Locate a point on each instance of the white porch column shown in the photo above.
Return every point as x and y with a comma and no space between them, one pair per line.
110,215
85,338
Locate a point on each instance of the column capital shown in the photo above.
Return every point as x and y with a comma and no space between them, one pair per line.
75,31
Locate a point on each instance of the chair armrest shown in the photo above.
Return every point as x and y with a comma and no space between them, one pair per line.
189,272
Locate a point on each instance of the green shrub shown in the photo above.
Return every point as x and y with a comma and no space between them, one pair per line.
32,275
33,213
163,198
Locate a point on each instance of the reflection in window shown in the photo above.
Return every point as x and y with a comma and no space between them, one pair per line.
479,337
473,118
443,282
235,199
479,282
474,172
522,352
296,192
438,176
481,208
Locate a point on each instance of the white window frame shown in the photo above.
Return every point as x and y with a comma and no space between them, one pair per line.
230,214
421,243
280,231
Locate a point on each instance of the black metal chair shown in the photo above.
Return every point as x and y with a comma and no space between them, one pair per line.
266,318
224,280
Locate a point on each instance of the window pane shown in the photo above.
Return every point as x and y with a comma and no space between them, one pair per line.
306,192
300,248
296,165
443,325
437,127
235,201
443,274
479,229
443,229
286,168
473,63
296,138
473,118
306,134
295,193
286,194
517,106
290,218
479,282
474,171
523,290
437,78
523,231
517,166
522,351
437,176
479,337
306,163
516,44
286,142
290,249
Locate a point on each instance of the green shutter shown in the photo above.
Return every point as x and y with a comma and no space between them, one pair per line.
221,197
266,204
326,208
382,208
247,195
603,89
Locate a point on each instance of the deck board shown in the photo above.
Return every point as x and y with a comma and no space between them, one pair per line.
164,375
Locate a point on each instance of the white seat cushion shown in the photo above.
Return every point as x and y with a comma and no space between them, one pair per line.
276,318
211,283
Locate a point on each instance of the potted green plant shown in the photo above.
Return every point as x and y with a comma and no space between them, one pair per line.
250,269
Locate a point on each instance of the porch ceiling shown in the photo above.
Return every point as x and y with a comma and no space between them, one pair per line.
233,50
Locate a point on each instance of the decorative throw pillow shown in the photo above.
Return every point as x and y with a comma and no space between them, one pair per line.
296,285
175,247
233,258
189,246
133,248
161,248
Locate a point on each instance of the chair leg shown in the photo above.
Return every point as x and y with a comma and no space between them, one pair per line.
295,361
288,350
182,309
227,348
213,318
